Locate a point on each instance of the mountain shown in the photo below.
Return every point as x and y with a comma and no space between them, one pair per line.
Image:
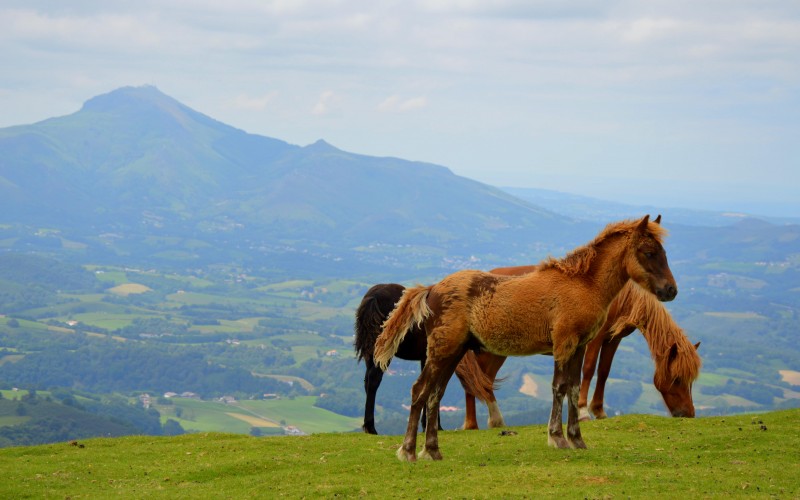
134,166
135,176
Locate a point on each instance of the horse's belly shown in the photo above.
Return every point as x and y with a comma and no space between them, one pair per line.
518,344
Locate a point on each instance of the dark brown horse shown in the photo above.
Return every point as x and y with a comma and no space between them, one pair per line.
677,364
375,307
556,309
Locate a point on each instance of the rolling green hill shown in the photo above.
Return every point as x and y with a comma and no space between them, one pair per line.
637,456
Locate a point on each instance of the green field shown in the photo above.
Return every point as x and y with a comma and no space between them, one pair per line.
239,417
636,456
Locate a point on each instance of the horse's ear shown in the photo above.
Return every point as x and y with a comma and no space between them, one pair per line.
697,346
657,220
673,353
643,223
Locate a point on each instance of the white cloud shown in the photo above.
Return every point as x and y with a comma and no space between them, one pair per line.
244,101
514,82
396,104
326,103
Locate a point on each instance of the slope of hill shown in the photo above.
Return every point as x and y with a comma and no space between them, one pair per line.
636,456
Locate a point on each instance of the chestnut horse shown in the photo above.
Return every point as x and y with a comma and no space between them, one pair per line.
375,307
676,361
556,309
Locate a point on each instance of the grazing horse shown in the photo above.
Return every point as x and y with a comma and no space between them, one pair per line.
676,361
556,309
375,307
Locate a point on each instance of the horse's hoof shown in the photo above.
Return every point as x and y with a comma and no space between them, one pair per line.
557,442
583,414
496,424
577,443
430,454
369,430
405,457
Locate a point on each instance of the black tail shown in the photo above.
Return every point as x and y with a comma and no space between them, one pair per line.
375,307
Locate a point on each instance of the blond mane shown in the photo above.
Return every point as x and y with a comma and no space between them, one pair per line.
578,261
645,312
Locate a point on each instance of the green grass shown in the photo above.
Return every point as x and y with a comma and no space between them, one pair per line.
210,416
636,456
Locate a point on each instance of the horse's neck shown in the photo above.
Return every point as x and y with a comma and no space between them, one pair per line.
608,269
640,309
660,331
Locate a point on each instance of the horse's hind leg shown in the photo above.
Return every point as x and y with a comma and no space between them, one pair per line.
589,366
419,397
603,371
440,376
425,408
372,380
470,414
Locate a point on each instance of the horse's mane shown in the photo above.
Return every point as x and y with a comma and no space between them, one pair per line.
642,310
578,261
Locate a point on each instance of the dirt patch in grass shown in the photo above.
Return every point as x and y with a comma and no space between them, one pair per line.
254,421
790,376
129,289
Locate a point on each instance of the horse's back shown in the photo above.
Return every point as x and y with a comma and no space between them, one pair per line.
376,305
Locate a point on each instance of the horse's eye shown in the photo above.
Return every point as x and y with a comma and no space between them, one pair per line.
649,255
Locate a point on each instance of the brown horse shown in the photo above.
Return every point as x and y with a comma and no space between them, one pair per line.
676,361
375,307
556,309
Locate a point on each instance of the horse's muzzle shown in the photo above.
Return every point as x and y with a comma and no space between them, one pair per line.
667,293
683,412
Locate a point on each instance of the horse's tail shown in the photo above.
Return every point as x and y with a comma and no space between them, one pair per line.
370,315
473,379
412,310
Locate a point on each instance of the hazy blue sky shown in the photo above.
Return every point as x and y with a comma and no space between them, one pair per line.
682,103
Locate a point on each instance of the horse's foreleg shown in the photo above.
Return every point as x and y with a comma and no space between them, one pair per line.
603,371
573,369
555,431
372,380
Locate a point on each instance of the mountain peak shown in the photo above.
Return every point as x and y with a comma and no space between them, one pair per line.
147,104
321,146
130,96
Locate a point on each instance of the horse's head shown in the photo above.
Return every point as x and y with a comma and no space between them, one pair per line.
648,265
675,388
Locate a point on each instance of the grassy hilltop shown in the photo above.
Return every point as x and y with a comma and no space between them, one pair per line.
639,456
